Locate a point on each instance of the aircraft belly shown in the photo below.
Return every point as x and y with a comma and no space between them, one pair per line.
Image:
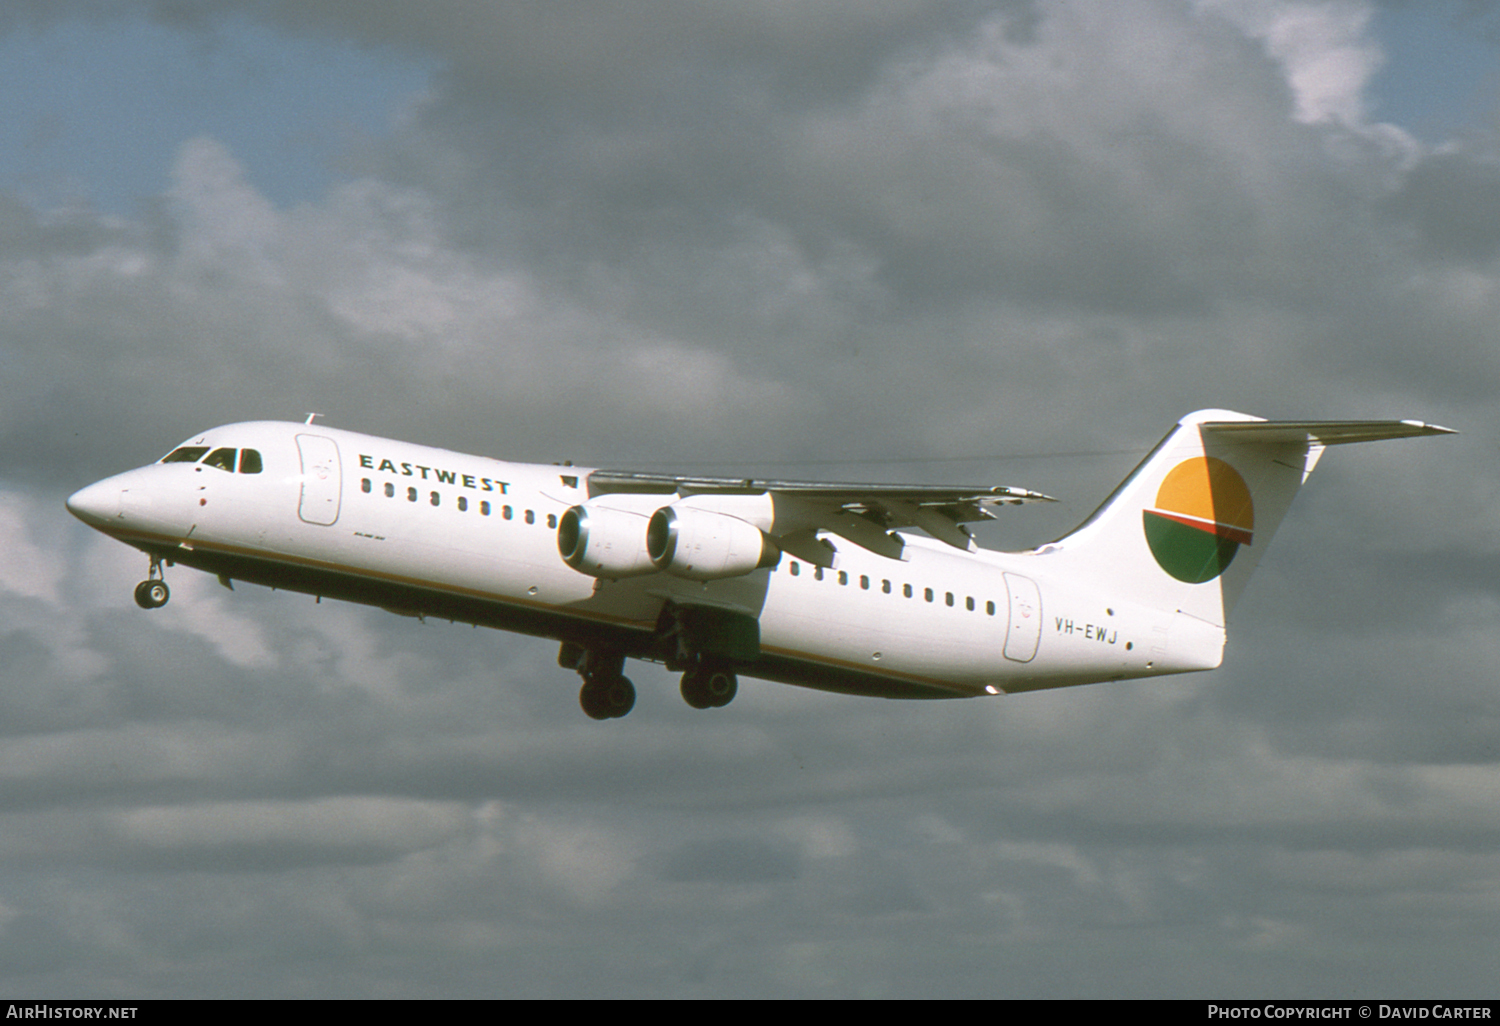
813,632
1086,637
470,563
455,565
905,647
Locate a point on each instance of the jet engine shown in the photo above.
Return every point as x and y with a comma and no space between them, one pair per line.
704,545
604,542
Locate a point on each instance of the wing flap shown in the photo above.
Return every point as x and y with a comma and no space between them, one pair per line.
602,482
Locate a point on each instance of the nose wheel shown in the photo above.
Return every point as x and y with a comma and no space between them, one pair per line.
153,592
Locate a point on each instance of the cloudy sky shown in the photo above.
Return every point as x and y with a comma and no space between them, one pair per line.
938,240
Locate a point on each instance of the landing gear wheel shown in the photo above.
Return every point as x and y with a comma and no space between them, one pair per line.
607,698
708,689
152,594
693,691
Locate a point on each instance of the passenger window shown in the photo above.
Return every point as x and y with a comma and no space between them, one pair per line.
530,517
187,454
843,577
796,568
436,500
463,503
989,607
250,461
906,590
885,586
970,603
222,458
364,485
864,582
411,495
505,511
927,593
484,507
390,490
551,519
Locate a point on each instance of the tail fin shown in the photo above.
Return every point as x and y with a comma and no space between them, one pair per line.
1185,530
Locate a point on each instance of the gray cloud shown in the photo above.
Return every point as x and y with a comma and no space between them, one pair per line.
1449,202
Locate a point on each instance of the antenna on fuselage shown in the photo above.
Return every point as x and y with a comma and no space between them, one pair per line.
310,417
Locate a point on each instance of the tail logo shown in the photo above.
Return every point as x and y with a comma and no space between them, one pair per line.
1203,515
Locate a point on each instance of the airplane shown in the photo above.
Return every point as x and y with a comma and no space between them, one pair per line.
821,585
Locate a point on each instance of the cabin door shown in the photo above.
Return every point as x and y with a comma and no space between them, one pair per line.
1025,631
321,483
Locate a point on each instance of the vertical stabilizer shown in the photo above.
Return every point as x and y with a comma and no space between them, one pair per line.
1185,530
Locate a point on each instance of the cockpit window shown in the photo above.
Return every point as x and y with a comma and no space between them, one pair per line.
221,458
224,458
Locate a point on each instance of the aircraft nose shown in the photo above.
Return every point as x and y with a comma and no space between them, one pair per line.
97,504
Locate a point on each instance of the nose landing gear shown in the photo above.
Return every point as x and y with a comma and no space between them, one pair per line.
153,592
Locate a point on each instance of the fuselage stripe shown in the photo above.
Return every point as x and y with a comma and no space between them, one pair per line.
166,545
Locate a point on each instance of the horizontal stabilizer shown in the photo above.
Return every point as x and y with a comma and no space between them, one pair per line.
1318,432
1184,531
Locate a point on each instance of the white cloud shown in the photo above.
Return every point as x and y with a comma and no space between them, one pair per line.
195,609
28,570
226,224
138,753
382,823
1325,47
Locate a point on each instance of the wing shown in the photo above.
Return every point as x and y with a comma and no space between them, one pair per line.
865,514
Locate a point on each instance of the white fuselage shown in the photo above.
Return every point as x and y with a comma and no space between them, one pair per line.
426,531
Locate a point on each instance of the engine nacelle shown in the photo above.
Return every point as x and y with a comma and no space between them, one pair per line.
604,542
703,545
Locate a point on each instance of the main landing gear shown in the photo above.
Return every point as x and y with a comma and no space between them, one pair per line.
703,644
152,593
698,641
708,687
607,693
